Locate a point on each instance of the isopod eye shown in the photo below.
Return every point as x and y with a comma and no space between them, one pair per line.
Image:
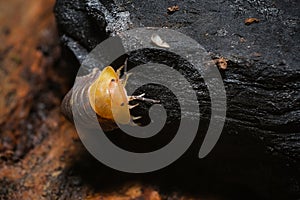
113,80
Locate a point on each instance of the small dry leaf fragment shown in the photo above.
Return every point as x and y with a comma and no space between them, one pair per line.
156,39
221,62
249,21
173,9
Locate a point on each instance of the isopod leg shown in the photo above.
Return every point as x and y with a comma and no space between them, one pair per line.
123,66
124,82
119,70
142,98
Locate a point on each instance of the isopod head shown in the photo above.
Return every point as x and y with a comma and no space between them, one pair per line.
108,97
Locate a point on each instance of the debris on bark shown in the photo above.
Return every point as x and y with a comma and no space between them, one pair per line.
250,21
173,9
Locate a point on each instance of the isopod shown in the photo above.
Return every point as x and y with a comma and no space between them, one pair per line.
105,93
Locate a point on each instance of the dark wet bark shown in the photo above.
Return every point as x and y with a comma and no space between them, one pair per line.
262,79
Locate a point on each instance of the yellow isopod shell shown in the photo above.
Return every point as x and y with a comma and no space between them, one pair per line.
108,95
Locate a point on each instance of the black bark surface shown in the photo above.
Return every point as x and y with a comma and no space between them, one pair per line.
262,80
